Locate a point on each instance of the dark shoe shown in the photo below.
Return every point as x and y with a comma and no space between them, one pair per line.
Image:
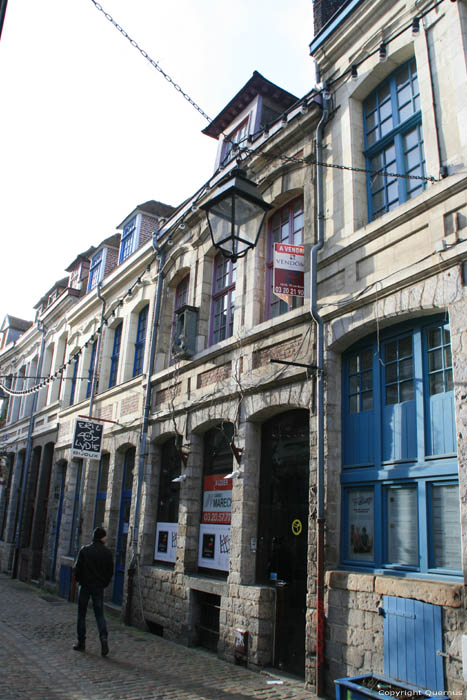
79,647
104,647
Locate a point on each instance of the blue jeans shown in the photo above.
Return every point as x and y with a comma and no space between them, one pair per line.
97,595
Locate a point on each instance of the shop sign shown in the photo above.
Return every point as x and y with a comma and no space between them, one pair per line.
289,271
87,439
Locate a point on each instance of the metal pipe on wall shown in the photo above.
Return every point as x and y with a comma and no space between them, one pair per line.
320,514
161,252
27,459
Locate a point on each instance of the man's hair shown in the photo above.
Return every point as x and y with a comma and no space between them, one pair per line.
99,533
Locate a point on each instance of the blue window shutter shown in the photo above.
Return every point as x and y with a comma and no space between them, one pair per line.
412,638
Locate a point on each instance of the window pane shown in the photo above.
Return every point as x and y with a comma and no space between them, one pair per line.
446,527
436,383
434,337
405,347
391,352
392,395
353,363
353,403
406,369
353,384
391,373
366,359
367,382
402,522
448,378
447,357
406,391
435,359
367,401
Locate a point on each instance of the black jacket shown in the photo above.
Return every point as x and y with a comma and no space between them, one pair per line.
94,565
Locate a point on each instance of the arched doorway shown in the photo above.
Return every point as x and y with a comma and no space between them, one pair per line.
282,531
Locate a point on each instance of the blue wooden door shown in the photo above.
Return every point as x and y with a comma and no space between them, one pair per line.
412,639
123,525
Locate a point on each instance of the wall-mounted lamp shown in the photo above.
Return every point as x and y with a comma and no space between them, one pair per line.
382,53
416,26
178,479
236,214
236,474
354,73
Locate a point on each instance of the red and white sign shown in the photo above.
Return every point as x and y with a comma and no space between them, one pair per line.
217,500
289,271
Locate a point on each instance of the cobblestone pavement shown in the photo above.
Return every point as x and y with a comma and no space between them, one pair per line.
37,662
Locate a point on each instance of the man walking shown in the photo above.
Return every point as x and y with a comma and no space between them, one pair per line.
93,570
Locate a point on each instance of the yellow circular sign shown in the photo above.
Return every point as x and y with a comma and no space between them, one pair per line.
297,526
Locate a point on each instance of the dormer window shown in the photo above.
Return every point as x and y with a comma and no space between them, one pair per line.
128,242
96,270
235,138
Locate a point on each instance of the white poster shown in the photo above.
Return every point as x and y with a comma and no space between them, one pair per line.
214,546
361,536
166,542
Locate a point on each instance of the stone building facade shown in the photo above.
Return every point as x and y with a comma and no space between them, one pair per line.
282,481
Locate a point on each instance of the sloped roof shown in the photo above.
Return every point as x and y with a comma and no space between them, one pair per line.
151,207
82,257
257,85
60,284
18,324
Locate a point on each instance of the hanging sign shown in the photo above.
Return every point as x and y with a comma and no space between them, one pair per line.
87,439
289,271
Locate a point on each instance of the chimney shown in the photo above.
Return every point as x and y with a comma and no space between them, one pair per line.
323,10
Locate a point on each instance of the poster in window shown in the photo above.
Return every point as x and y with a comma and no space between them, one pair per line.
402,526
166,542
214,535
446,526
289,271
361,530
209,545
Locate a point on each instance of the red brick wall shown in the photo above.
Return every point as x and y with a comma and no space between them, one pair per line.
214,375
281,351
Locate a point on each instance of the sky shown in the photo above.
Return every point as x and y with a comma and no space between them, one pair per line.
90,129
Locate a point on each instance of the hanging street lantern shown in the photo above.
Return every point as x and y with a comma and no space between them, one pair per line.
236,214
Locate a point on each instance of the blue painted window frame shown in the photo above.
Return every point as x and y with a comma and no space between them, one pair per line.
223,299
114,358
286,225
74,379
140,341
102,485
417,465
393,138
74,534
92,363
128,241
95,270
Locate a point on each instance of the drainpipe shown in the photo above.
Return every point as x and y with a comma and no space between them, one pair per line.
161,253
27,458
320,516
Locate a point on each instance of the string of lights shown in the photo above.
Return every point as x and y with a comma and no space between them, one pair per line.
414,25
92,338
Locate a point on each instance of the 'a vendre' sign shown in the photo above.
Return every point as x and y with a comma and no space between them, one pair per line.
289,271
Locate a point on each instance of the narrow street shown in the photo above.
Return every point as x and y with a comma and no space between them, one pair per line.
37,632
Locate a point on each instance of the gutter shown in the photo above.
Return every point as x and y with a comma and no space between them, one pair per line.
161,253
320,512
